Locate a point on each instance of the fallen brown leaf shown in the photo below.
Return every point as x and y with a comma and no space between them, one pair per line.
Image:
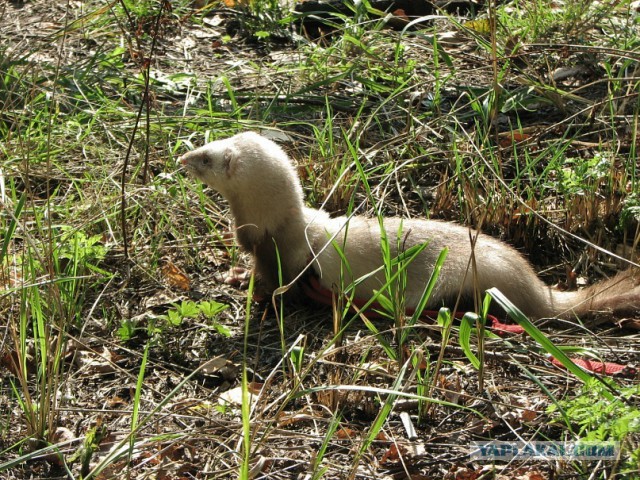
175,277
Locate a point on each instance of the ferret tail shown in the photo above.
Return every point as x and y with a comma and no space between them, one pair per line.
618,296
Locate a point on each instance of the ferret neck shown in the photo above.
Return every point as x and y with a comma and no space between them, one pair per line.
268,215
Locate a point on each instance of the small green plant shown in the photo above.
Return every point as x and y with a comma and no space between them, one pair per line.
296,356
76,261
181,311
191,309
263,20
174,318
46,310
422,367
317,468
602,419
142,16
599,418
546,19
630,210
582,177
95,435
127,330
392,295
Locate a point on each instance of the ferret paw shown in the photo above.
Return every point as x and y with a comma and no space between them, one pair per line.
237,277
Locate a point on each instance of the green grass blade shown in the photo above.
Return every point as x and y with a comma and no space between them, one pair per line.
517,315
136,399
426,294
12,227
246,395
468,322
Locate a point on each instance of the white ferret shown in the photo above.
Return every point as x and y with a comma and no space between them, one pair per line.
263,190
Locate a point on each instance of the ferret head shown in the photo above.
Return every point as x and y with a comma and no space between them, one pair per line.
215,163
250,171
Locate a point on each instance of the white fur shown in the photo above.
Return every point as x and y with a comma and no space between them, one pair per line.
264,192
238,169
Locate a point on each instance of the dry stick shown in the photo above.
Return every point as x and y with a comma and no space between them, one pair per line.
568,47
145,101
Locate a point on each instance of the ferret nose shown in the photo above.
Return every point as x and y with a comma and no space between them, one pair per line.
182,160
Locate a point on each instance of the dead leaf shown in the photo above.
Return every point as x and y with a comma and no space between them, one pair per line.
571,282
228,238
214,365
527,415
509,138
260,466
466,474
95,363
234,396
10,279
288,419
451,387
393,453
562,73
10,361
534,476
481,26
116,401
63,435
346,433
175,277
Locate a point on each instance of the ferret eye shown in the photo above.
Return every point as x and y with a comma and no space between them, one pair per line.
205,160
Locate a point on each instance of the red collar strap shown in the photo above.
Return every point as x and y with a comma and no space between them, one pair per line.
320,294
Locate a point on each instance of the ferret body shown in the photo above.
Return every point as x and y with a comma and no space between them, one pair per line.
265,196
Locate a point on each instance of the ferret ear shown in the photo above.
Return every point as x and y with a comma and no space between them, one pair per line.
230,160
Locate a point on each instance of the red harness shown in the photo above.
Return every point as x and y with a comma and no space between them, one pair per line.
320,294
